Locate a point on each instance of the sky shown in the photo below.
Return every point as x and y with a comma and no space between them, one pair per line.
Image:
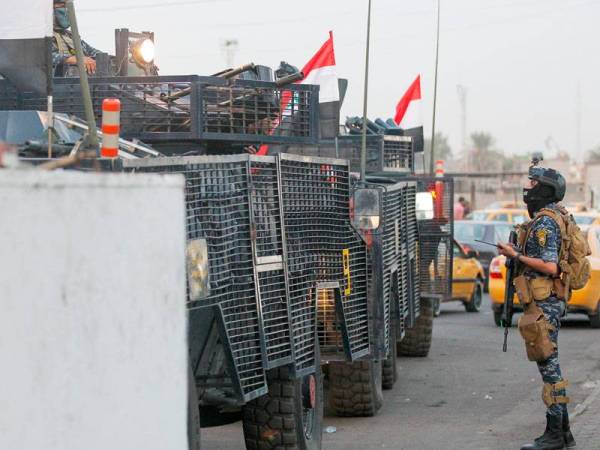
530,67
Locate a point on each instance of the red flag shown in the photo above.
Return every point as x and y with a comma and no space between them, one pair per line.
408,109
319,70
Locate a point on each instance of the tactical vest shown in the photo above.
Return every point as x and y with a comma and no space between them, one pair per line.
573,265
64,43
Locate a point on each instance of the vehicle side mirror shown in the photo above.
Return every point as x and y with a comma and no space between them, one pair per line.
366,209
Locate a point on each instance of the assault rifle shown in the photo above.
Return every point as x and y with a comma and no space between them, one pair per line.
509,291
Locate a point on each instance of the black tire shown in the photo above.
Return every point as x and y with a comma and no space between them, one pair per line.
389,372
417,340
498,319
355,388
284,418
595,318
193,426
474,305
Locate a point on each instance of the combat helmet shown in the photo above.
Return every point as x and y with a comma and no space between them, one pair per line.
549,177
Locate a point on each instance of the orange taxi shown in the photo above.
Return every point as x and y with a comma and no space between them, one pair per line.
583,218
583,301
467,279
510,215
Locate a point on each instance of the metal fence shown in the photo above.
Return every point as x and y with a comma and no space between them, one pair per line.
275,228
318,236
158,109
398,286
436,238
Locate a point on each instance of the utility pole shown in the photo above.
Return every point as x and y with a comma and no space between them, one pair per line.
437,48
363,146
229,48
578,151
462,99
92,137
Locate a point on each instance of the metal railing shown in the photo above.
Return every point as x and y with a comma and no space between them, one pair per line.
189,108
385,153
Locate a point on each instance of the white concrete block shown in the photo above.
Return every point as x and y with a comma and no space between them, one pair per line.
92,311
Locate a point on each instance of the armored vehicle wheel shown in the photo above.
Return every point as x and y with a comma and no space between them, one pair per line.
193,413
476,299
289,416
389,372
595,318
417,340
355,388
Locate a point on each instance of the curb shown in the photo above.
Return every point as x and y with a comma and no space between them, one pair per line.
582,407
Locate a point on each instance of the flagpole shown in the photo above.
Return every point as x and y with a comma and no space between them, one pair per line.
437,48
363,147
49,94
83,79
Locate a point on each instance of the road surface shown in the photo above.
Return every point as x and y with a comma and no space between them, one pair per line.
466,395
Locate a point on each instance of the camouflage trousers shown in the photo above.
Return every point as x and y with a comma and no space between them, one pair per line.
553,309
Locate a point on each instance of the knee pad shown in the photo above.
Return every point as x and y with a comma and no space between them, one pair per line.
550,395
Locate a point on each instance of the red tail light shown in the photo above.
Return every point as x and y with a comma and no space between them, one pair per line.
495,269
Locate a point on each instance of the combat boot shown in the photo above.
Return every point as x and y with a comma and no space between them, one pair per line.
566,427
552,439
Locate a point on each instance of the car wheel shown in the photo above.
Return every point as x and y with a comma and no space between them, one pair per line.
498,318
595,318
476,299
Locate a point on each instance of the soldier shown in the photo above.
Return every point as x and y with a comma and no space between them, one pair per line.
539,260
63,48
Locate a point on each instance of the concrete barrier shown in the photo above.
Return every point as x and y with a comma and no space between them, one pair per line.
92,312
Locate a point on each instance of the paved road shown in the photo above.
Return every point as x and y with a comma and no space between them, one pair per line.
466,395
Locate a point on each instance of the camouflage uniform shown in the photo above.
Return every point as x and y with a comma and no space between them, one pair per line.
63,47
544,243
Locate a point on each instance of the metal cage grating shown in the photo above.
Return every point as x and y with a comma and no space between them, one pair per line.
217,204
189,108
385,153
316,210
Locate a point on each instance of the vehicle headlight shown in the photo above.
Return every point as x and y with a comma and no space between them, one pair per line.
424,205
143,51
197,269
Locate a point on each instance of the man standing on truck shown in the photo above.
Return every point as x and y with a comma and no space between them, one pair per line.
539,261
63,48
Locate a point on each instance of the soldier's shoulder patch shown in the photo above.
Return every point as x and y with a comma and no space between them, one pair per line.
541,235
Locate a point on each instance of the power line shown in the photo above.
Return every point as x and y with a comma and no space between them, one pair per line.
149,5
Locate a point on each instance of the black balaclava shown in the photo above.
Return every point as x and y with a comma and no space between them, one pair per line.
61,19
537,197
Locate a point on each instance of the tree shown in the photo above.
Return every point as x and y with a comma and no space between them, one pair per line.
593,154
442,148
483,156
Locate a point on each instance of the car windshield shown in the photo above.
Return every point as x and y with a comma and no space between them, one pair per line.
465,231
584,220
502,232
518,219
